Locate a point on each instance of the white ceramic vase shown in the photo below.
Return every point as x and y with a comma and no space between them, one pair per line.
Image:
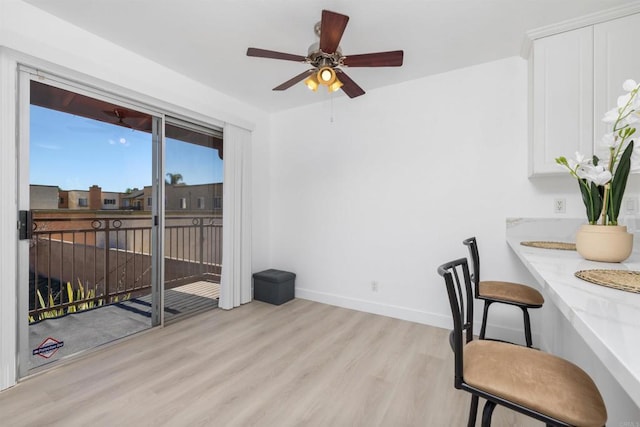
605,243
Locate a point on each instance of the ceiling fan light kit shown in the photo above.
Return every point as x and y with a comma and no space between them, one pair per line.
325,76
337,84
327,60
312,82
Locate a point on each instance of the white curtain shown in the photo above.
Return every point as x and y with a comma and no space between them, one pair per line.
235,284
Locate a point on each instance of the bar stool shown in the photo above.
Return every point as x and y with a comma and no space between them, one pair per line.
510,293
537,384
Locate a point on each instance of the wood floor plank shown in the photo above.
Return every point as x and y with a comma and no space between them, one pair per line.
298,364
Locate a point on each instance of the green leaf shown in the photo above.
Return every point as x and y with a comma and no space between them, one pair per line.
71,308
592,200
586,198
42,304
80,289
619,184
598,196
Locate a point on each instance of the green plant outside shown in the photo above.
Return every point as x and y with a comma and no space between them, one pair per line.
85,301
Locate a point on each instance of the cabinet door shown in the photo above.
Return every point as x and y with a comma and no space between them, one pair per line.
562,92
616,59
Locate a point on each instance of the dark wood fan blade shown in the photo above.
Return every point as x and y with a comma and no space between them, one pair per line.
331,28
380,59
296,79
349,87
263,53
123,113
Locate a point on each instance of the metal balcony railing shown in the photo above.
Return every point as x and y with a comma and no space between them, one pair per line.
77,261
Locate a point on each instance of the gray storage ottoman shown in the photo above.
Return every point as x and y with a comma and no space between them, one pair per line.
274,286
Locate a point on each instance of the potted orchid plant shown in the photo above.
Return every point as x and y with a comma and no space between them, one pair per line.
603,182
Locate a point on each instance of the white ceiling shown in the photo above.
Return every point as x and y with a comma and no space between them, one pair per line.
207,40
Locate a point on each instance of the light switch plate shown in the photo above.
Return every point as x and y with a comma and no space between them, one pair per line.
631,205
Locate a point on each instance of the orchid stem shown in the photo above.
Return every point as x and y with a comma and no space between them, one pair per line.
604,204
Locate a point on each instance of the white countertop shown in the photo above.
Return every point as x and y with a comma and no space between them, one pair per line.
607,319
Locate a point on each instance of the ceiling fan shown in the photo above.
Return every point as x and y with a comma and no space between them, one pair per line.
121,114
327,60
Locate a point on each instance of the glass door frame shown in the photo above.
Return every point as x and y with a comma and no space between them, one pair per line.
205,130
25,76
157,209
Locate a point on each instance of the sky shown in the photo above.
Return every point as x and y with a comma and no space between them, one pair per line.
75,153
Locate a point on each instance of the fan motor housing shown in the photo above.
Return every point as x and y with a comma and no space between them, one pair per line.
319,59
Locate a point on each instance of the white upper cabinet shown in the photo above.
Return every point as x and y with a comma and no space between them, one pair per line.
576,76
616,59
562,92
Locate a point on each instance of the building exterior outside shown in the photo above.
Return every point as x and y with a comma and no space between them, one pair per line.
76,199
63,199
133,200
110,201
203,197
179,197
44,196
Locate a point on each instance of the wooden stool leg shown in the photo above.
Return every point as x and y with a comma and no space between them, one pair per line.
473,411
487,413
527,327
483,329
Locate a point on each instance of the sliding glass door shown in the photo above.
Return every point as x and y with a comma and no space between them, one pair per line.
193,218
120,221
90,231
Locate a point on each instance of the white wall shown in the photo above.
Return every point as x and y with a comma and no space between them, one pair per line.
386,192
31,36
389,189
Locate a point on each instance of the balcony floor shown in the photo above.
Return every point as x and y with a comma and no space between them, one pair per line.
89,329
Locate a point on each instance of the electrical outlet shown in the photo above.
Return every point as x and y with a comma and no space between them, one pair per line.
559,205
374,286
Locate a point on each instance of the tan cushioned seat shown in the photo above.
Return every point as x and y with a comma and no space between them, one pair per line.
540,381
507,291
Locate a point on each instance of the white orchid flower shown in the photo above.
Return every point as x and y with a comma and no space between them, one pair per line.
628,106
611,116
599,175
602,177
579,161
609,140
629,85
623,100
624,122
625,113
628,118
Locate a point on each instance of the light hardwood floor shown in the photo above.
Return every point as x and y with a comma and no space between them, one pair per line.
299,364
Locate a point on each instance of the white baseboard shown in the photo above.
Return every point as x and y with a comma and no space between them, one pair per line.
412,315
396,312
